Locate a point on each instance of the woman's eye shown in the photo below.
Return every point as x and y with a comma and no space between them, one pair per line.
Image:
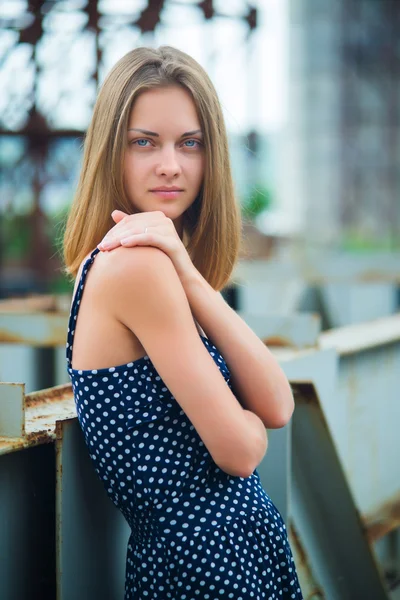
192,143
142,142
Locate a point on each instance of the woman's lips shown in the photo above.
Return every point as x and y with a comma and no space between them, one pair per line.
167,194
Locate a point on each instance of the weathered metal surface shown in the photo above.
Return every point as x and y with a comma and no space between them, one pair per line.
18,363
27,524
370,267
384,520
321,367
362,408
271,295
38,303
365,422
39,329
322,266
362,336
323,510
35,321
351,369
12,410
309,587
358,302
345,288
41,411
91,534
299,330
276,468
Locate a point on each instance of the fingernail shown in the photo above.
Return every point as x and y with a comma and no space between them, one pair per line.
106,244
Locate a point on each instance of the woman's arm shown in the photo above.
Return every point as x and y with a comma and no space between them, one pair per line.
257,378
141,288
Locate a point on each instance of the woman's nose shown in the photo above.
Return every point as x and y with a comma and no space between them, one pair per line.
168,164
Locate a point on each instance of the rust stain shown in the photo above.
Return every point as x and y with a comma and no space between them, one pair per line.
38,437
303,566
40,421
36,303
278,342
49,395
384,520
56,337
377,276
302,557
10,338
7,446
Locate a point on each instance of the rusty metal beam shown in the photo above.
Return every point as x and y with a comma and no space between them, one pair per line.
310,588
384,520
38,414
39,321
323,510
91,534
362,336
36,303
33,330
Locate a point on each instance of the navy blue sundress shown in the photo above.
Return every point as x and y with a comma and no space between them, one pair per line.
196,532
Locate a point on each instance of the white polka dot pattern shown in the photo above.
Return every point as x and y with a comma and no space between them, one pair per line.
197,532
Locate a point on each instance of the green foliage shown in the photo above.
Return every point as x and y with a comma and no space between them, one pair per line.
56,228
61,284
15,236
16,239
356,241
256,202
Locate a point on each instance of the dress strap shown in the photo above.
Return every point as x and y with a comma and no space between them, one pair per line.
75,305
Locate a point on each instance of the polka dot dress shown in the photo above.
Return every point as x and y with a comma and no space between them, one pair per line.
196,532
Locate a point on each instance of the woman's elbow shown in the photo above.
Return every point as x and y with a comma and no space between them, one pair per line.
282,415
244,467
242,471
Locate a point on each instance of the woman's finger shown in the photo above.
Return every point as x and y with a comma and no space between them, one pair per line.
118,215
154,239
134,225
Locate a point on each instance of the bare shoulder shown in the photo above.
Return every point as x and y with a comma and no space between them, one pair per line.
129,267
128,261
134,280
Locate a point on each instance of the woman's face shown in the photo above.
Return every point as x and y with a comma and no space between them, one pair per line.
165,150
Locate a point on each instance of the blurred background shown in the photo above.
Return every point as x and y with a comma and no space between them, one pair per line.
311,97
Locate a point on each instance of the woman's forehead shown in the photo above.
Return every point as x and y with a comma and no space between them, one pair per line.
171,107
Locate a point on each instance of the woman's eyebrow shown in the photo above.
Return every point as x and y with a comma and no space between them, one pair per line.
145,131
154,134
191,133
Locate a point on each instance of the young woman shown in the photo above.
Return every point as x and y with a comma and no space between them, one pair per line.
173,390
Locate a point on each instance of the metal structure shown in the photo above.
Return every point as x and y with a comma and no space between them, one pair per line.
332,471
342,144
342,288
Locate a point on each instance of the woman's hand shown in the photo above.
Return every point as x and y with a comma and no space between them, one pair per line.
129,231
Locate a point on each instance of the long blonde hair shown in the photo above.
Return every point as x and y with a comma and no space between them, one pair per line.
212,224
